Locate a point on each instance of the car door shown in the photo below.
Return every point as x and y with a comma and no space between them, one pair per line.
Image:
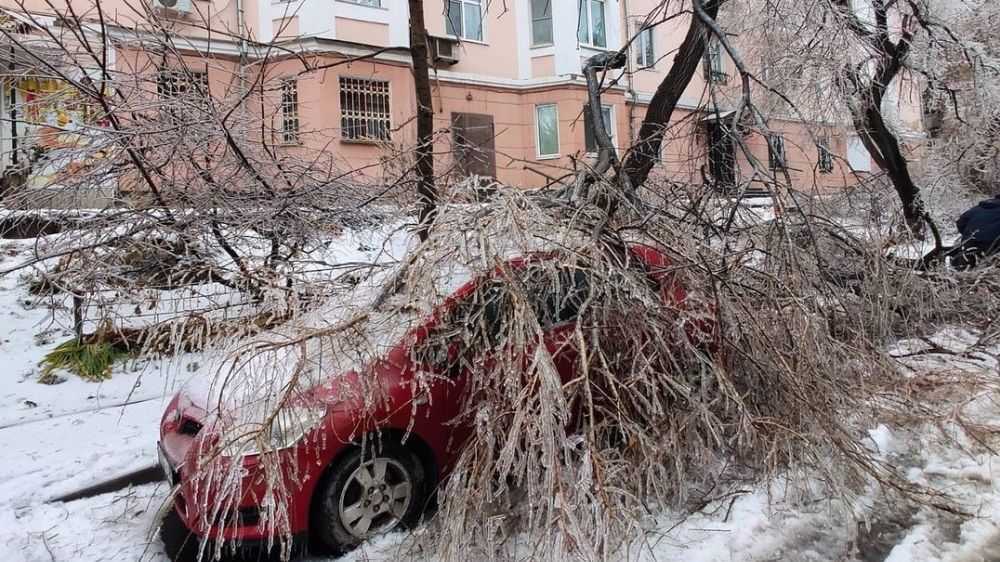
556,292
454,348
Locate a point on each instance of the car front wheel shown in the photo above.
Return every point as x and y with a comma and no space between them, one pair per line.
373,489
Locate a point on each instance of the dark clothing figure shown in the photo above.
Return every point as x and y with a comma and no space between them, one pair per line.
980,230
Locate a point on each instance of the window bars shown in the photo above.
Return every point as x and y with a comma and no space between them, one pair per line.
289,111
178,82
364,110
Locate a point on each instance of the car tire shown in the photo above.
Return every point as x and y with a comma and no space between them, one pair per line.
360,495
179,544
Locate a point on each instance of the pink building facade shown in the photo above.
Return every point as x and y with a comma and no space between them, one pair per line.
507,87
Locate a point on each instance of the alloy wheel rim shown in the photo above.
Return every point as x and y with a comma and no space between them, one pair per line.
375,497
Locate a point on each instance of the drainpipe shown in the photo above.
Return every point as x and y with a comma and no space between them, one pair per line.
241,46
629,76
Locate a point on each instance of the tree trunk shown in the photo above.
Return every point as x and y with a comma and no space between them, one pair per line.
885,148
645,152
869,121
426,189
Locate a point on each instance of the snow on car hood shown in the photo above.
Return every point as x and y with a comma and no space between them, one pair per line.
330,345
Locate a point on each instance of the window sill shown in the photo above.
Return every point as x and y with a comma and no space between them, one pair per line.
541,157
363,142
355,4
595,48
464,40
543,46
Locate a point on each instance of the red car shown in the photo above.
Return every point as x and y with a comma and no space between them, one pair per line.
355,469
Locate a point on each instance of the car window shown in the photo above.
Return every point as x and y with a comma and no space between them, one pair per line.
481,315
556,293
470,326
477,322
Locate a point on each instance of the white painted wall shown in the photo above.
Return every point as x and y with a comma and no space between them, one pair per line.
317,17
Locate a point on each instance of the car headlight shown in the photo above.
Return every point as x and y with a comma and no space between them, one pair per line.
288,426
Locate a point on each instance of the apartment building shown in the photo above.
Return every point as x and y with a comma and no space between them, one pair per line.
506,76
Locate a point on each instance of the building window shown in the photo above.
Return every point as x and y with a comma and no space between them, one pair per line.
715,66
465,19
645,56
372,3
776,151
858,157
541,22
591,28
825,156
289,109
547,130
364,110
589,139
179,82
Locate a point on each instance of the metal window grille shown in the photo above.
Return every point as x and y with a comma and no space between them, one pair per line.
177,83
289,110
364,109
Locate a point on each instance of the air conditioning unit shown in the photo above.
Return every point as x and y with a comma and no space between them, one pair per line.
442,50
178,6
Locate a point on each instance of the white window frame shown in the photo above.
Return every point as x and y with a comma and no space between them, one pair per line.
715,63
589,28
538,131
368,115
609,123
858,157
463,32
369,3
645,47
536,18
288,111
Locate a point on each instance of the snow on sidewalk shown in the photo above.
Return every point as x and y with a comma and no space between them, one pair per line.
120,526
49,458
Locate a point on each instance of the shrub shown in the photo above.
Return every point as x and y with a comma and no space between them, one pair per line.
91,361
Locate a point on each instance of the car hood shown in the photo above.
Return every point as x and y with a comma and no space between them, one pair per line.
338,364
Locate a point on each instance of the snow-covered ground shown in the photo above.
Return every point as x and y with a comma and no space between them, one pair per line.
57,439
61,438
